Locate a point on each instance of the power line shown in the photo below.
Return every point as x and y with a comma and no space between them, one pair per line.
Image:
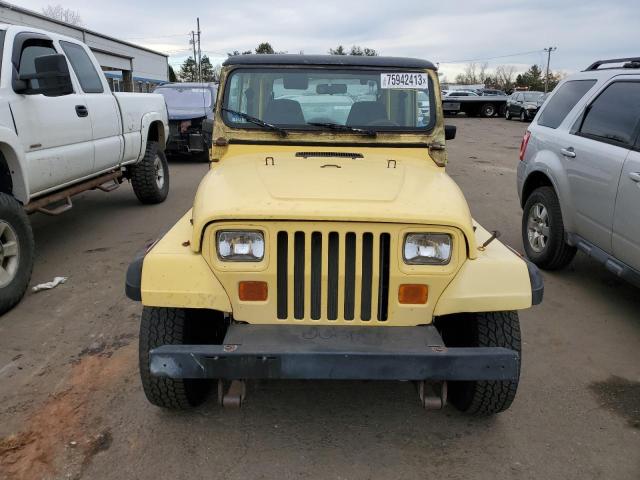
498,56
156,37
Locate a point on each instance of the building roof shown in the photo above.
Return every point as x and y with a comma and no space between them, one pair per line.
76,27
338,60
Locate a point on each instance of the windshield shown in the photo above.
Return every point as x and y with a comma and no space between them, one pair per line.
532,96
188,97
317,98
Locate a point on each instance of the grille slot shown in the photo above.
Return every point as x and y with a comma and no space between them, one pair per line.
348,271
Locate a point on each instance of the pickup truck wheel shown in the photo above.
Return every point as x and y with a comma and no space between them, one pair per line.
543,231
488,110
16,252
484,329
150,177
168,326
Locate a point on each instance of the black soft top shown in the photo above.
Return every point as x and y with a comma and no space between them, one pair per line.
338,60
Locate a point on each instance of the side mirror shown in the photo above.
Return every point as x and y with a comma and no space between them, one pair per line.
450,132
51,79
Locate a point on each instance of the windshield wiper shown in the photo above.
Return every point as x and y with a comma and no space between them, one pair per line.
257,121
344,128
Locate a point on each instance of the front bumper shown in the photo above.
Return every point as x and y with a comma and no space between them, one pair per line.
335,353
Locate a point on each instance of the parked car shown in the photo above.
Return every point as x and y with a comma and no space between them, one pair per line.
523,105
579,178
190,107
63,132
491,92
473,104
306,256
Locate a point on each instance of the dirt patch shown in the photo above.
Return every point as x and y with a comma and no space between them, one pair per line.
620,396
63,422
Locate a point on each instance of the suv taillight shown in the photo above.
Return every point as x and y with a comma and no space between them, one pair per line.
523,145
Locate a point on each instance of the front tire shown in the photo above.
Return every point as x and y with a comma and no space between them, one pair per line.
523,116
543,233
485,329
170,326
507,114
150,177
17,250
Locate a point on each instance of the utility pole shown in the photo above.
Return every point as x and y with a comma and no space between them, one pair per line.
195,59
546,77
199,54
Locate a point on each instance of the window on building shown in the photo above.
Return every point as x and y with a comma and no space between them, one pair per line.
83,67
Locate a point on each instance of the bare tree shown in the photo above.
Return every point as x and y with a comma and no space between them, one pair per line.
482,73
505,76
58,12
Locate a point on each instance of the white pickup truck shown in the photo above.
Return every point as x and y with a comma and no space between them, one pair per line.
63,132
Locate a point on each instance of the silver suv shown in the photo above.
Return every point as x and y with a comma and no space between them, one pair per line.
579,175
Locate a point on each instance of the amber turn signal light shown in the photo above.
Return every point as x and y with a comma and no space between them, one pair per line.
413,294
253,291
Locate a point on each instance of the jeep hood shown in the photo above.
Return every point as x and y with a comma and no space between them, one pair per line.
278,185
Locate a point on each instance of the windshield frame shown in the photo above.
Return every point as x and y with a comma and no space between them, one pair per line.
307,129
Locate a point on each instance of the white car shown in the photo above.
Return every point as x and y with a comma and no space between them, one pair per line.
62,132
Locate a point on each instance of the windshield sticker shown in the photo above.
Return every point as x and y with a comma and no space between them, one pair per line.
403,80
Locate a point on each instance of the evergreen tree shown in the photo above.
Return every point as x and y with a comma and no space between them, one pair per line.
189,71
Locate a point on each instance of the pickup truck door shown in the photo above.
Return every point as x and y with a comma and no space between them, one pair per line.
55,132
101,104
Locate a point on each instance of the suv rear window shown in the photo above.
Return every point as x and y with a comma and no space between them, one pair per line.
613,117
563,101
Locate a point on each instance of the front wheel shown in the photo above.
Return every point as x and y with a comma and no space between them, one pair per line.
507,114
150,176
170,326
543,231
483,329
523,116
16,252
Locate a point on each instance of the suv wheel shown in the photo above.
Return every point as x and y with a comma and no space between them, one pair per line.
543,231
523,116
175,326
507,114
16,252
150,177
483,329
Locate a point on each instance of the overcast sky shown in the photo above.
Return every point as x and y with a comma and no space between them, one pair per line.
443,31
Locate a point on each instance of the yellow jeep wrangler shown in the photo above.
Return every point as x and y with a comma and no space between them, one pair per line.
328,242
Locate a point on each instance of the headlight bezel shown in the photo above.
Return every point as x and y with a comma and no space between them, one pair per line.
427,263
242,260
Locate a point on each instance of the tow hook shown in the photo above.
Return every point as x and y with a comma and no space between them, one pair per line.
235,394
433,396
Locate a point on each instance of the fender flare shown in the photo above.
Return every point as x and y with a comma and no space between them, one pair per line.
14,156
148,119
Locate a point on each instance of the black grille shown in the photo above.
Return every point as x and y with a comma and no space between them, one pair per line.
372,283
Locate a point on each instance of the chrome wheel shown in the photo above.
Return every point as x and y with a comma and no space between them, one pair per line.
538,227
159,169
9,253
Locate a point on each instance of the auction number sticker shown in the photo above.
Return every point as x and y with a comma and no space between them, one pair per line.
403,80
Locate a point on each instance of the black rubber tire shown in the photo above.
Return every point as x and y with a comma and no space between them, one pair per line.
523,116
144,176
170,326
507,114
488,110
485,329
557,253
13,213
